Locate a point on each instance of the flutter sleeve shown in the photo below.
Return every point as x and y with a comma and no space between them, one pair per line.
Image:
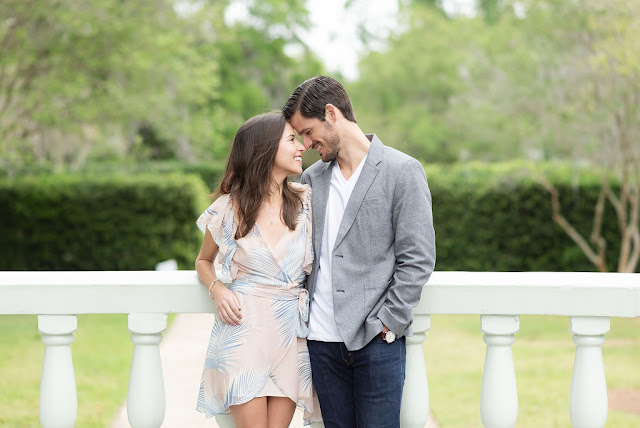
307,218
219,219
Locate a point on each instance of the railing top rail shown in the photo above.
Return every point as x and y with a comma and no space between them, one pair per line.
509,293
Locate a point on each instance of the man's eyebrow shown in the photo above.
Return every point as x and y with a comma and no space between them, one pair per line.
302,131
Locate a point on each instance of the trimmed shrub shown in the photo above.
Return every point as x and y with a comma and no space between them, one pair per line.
115,222
488,217
498,217
210,172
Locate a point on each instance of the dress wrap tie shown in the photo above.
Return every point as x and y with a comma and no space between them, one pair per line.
296,293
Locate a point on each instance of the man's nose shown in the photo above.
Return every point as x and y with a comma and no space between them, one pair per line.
306,142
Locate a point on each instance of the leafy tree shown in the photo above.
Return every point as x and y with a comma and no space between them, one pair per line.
149,79
543,79
593,77
405,89
74,75
256,74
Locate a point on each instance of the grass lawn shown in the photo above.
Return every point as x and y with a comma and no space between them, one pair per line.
543,358
101,352
454,352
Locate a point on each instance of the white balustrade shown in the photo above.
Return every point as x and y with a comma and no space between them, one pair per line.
58,396
415,396
588,401
499,396
225,421
588,299
145,400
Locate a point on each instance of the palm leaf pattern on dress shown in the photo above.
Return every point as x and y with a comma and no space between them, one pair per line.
200,405
286,313
207,217
263,262
214,406
228,243
245,386
304,369
243,285
253,233
292,261
225,339
242,388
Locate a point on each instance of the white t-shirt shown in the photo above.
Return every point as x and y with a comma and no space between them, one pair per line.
322,323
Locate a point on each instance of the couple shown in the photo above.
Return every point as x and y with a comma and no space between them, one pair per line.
371,251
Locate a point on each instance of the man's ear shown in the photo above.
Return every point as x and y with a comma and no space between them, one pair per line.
330,112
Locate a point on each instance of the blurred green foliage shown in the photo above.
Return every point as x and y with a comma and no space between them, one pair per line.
114,222
109,80
488,217
150,79
106,86
544,79
497,217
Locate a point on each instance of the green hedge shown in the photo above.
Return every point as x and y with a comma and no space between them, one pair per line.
210,172
79,222
488,217
497,217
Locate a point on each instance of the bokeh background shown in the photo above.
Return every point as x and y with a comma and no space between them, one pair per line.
116,118
525,115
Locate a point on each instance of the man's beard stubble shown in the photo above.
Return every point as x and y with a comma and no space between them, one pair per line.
332,144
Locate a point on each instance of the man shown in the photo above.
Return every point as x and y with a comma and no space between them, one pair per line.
375,249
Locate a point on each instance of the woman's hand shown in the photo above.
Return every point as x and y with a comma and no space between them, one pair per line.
227,303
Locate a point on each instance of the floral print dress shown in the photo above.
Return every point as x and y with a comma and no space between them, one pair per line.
266,354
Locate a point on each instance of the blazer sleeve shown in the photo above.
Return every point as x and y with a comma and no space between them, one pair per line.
304,178
414,246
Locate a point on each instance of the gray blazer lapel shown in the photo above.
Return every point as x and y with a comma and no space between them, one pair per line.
367,175
319,204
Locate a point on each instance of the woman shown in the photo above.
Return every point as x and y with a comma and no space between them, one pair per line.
257,365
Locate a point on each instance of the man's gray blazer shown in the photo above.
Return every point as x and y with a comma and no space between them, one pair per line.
385,249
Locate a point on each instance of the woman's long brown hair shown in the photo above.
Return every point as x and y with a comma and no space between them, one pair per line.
248,174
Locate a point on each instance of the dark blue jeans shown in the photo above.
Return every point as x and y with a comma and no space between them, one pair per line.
359,388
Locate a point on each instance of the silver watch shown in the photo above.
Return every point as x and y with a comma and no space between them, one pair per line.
389,336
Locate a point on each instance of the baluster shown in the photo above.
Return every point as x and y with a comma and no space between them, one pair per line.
415,396
225,421
58,396
588,401
499,397
145,399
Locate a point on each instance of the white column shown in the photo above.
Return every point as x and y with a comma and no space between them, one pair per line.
415,396
499,397
588,401
58,396
145,399
225,421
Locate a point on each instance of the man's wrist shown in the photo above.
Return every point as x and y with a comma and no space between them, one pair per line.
387,335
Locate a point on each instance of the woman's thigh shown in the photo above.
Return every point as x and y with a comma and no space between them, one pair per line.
280,411
252,414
